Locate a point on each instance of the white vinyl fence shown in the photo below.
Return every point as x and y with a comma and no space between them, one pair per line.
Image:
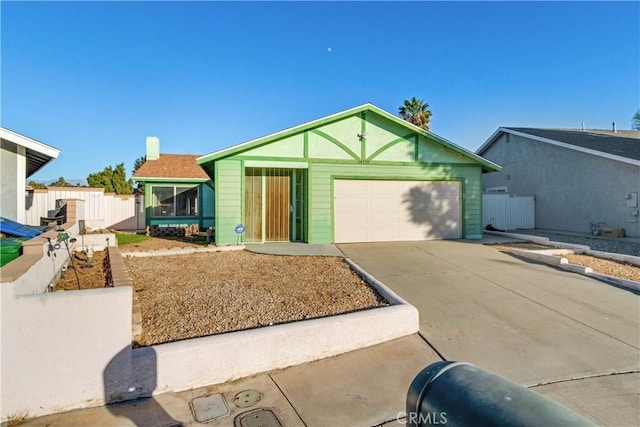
102,210
508,211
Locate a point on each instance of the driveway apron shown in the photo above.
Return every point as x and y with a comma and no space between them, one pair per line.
528,322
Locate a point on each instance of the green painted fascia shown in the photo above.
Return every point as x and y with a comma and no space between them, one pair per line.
308,202
169,180
216,203
487,165
243,179
363,140
395,178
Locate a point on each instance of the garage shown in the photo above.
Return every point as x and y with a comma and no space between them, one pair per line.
385,210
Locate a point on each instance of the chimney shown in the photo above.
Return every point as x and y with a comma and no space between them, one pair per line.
614,127
153,148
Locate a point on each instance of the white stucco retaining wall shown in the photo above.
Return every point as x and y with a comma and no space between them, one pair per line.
55,347
72,349
218,359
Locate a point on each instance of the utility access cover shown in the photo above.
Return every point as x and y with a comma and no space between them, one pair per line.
246,398
210,407
258,418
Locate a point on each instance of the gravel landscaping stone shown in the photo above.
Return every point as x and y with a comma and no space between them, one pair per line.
188,296
603,266
620,246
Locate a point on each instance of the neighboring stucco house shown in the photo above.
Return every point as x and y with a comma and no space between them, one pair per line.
578,178
360,175
177,191
20,157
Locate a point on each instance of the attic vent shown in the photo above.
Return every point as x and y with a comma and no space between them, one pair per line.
508,138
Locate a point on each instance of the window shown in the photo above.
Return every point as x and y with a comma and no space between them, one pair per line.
502,189
174,201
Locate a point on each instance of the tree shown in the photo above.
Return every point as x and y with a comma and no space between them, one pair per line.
61,182
635,122
138,163
416,111
37,185
112,180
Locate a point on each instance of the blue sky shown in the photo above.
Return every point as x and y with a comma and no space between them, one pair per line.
94,79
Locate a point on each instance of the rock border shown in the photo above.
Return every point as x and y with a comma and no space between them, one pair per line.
549,256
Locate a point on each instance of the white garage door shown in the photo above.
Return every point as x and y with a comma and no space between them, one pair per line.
383,211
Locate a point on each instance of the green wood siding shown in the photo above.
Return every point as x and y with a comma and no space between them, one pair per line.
228,180
336,149
321,191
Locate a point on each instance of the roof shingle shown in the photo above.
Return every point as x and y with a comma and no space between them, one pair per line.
623,143
172,166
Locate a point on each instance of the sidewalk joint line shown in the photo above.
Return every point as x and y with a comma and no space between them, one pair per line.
585,377
433,347
287,399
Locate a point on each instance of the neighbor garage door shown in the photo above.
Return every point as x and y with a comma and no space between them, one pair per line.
382,211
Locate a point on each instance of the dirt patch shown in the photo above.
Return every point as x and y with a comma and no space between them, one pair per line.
188,296
91,274
608,267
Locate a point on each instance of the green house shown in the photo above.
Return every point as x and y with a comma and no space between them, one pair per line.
360,175
177,192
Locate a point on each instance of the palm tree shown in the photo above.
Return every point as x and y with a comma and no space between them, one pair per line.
417,112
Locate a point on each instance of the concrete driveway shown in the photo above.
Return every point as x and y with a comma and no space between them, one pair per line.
560,332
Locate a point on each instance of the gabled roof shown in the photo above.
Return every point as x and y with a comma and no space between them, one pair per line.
622,145
226,152
37,153
174,167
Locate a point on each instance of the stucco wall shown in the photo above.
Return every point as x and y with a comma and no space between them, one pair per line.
55,347
12,177
572,189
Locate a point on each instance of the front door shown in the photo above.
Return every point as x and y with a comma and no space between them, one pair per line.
268,205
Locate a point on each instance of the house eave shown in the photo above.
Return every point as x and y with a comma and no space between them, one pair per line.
496,135
157,179
487,166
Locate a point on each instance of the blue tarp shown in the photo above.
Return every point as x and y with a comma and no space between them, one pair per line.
13,228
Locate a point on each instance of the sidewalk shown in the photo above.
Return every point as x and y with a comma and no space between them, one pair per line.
366,387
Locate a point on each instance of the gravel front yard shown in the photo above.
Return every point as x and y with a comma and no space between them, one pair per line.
598,265
187,296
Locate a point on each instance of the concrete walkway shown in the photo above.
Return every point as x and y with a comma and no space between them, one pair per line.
298,249
366,387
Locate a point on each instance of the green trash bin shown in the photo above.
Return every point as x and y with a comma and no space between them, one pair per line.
10,249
